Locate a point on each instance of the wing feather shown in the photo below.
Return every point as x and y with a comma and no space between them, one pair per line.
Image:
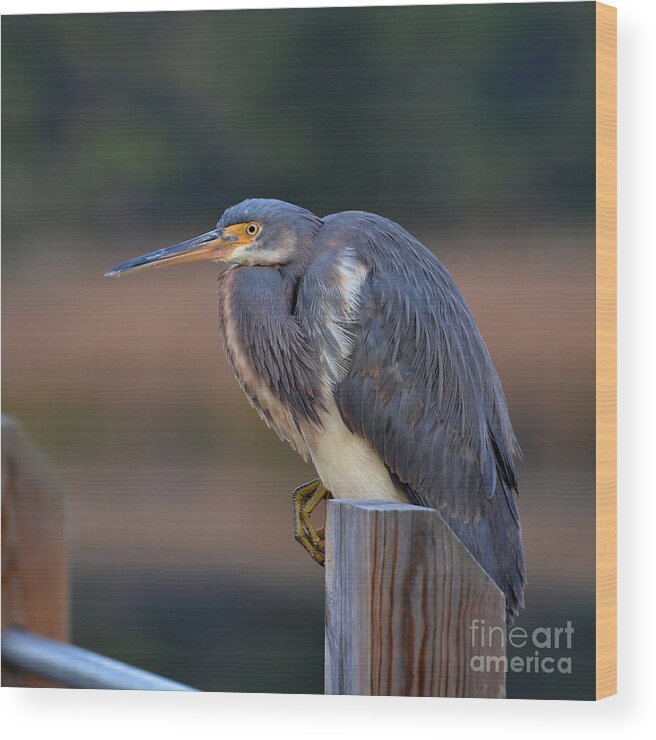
418,384
421,388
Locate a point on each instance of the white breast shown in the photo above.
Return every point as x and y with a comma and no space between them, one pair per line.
347,464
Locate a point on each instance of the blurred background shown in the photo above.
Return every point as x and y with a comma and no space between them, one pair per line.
473,126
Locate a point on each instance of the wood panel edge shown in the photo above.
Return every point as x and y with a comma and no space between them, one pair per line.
606,350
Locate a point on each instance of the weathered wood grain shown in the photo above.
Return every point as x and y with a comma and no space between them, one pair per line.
35,587
606,359
402,595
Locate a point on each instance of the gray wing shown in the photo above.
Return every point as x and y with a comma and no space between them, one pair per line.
420,386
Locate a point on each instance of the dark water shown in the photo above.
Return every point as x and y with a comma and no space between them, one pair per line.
221,633
473,126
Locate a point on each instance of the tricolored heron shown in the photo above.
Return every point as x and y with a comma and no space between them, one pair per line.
353,342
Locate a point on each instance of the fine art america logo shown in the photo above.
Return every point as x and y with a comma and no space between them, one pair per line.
539,645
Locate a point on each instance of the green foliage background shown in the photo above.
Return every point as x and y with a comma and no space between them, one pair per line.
443,114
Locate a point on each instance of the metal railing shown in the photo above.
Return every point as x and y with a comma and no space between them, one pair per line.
76,667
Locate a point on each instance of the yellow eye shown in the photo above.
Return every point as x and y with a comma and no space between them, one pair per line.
252,229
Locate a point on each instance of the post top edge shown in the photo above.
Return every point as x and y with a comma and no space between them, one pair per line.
375,504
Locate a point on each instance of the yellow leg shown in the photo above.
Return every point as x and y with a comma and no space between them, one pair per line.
306,498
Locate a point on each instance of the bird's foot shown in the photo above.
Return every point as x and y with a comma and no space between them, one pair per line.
306,498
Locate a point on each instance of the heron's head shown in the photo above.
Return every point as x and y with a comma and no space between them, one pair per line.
259,231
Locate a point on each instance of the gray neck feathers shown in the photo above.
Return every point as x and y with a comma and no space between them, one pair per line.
268,351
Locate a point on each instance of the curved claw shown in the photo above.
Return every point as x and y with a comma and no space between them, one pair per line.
305,499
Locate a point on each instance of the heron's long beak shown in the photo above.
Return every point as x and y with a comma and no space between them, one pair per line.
214,245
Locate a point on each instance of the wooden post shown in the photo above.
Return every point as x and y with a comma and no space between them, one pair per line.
34,552
409,612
